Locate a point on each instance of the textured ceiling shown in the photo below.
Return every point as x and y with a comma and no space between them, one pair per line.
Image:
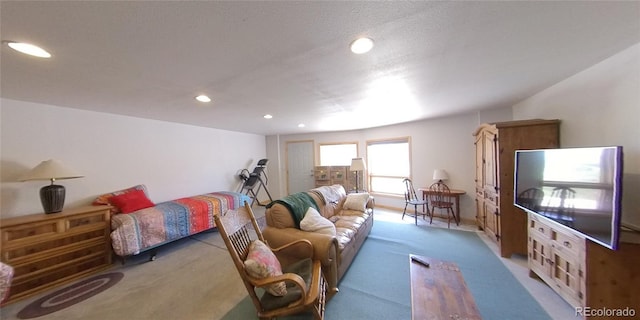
291,59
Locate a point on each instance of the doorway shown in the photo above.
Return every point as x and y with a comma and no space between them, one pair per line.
300,165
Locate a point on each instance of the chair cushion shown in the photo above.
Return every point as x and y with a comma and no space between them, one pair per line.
303,268
262,263
314,222
356,201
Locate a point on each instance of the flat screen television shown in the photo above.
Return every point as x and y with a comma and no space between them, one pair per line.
579,188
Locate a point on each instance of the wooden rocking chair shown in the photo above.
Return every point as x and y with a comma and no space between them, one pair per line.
305,284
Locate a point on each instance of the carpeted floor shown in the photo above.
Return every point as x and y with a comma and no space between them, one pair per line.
194,279
377,285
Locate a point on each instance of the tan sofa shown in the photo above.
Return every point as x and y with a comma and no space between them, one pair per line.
335,252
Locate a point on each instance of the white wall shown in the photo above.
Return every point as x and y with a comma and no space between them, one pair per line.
443,143
599,106
115,152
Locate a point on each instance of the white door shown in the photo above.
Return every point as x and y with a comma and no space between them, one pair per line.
300,166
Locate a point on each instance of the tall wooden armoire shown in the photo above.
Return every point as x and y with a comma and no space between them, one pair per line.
495,145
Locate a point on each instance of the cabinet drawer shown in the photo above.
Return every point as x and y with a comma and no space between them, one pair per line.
567,242
30,232
43,263
29,284
96,220
321,174
538,227
492,197
13,255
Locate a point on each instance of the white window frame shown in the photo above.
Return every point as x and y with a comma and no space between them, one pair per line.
394,180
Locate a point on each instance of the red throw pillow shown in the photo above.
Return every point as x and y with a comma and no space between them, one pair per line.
131,201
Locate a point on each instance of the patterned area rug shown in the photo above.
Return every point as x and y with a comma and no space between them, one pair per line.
70,295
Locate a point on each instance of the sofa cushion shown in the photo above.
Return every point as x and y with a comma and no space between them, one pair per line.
344,236
356,201
314,222
351,222
262,263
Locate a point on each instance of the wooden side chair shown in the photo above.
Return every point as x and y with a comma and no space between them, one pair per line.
301,276
411,198
440,198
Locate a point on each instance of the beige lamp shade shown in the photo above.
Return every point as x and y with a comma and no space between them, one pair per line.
50,170
440,175
357,164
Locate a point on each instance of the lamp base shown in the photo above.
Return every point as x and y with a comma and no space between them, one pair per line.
52,198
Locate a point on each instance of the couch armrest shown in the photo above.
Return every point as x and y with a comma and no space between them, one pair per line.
325,250
371,203
325,247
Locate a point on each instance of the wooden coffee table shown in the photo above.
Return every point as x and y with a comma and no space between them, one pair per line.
439,292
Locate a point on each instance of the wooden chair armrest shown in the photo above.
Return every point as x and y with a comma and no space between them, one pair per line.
287,277
295,248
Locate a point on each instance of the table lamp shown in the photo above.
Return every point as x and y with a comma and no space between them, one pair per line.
51,196
440,175
357,164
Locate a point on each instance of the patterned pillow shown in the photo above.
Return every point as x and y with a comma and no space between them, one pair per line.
103,199
356,201
314,222
131,201
262,263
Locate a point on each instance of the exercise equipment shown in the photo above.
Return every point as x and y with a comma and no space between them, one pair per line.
253,181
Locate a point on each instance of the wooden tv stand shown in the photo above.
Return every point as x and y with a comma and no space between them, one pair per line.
587,275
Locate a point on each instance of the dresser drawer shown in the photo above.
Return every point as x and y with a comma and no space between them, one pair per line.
31,232
538,227
15,254
32,283
565,241
47,250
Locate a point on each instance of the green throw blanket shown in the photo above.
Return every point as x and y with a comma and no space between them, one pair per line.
298,204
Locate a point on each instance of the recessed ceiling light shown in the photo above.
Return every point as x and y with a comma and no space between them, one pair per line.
268,116
29,49
203,98
361,45
301,125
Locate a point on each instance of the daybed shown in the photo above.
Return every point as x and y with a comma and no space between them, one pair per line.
350,215
138,225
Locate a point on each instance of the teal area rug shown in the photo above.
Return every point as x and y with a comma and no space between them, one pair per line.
377,284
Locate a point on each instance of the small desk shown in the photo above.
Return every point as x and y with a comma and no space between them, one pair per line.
455,193
439,292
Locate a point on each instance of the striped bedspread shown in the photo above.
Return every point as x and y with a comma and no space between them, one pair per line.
167,221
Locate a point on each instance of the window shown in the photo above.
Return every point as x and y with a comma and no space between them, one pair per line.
388,164
338,154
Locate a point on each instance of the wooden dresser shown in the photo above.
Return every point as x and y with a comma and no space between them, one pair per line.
330,175
495,145
48,250
587,275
